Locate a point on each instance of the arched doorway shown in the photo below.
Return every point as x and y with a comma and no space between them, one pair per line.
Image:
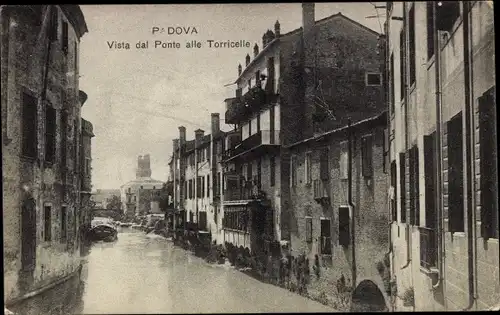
368,298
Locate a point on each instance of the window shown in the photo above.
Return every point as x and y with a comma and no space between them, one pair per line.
455,175
394,191
50,134
47,223
411,35
392,87
259,174
202,193
430,30
402,185
323,165
88,169
308,168
430,180
309,227
488,165
198,187
373,79
344,226
142,187
250,127
257,78
29,126
64,135
218,185
258,122
366,152
402,71
272,171
447,13
208,185
414,187
344,160
65,42
326,239
63,224
293,170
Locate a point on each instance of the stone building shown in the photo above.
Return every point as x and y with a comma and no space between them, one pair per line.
338,209
41,137
136,195
284,95
196,177
86,171
443,154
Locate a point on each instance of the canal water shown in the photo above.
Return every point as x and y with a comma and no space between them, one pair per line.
146,274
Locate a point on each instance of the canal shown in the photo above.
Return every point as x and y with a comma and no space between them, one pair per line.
147,274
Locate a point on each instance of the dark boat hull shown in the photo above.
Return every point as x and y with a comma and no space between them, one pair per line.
103,233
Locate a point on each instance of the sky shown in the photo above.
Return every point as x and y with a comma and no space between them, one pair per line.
137,98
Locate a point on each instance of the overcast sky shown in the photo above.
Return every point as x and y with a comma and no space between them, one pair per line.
138,98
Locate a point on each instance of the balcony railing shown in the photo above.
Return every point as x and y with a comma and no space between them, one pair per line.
239,107
262,137
245,191
428,248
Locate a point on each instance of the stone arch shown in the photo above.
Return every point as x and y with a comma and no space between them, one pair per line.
367,297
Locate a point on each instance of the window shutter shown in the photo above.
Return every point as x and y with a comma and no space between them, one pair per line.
344,228
402,185
324,171
308,229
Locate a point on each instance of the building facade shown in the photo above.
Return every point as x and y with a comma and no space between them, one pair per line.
41,136
136,195
86,171
285,95
441,61
196,171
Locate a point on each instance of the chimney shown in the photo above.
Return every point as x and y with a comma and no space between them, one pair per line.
277,29
255,50
308,22
215,124
247,60
175,146
182,135
198,135
264,40
239,69
308,18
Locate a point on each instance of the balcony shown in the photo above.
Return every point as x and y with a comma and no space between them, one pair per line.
239,190
238,108
428,248
257,143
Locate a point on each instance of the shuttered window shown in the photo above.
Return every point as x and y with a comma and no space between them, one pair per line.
430,180
208,185
402,72
308,229
29,119
414,187
344,226
402,185
50,134
394,209
272,171
323,166
455,175
488,165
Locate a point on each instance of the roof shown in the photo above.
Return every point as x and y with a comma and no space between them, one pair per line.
382,117
75,16
298,30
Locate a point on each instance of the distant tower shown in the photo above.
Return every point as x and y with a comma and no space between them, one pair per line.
143,166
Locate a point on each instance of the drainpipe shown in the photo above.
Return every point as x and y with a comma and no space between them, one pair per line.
350,203
439,161
469,155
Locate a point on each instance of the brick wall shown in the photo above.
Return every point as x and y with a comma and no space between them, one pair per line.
371,214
